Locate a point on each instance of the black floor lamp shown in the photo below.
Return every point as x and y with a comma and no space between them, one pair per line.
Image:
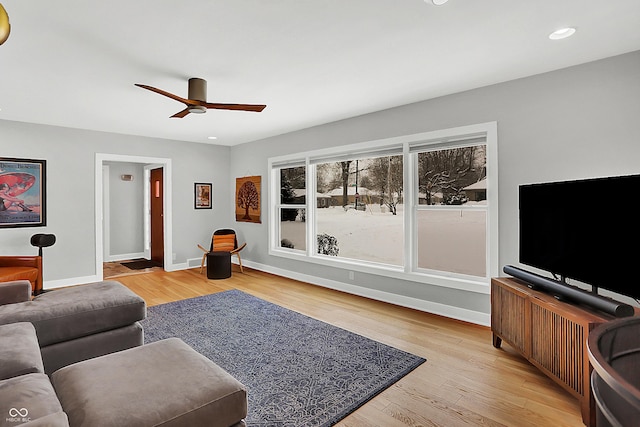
42,241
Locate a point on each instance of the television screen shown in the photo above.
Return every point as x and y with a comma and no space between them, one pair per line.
587,230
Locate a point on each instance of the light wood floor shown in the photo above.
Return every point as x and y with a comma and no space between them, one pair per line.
465,381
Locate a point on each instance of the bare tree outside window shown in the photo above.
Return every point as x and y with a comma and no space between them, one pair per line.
450,239
385,174
443,174
344,167
359,207
293,193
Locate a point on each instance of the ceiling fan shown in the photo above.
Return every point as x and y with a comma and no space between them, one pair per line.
197,101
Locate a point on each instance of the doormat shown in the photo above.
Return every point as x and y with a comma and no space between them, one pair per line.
140,264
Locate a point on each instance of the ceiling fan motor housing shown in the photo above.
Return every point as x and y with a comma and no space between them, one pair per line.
198,89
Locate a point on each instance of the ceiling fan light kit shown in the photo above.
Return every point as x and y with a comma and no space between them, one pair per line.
197,101
197,109
197,92
5,27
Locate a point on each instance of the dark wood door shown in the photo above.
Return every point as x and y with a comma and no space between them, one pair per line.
157,216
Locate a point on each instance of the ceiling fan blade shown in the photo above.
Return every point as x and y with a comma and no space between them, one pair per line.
181,114
197,91
167,94
243,107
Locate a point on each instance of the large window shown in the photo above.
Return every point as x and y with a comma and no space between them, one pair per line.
292,208
359,209
451,213
417,207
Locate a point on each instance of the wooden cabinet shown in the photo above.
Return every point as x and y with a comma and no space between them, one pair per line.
551,334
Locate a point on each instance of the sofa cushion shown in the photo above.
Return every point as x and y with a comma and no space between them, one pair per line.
165,383
55,356
77,311
59,419
19,350
27,397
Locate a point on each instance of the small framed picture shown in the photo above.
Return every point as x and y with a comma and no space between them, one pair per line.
203,195
23,193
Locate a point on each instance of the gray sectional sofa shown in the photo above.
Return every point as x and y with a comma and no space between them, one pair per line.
26,394
74,357
78,322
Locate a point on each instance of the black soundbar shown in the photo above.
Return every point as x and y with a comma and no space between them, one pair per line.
564,291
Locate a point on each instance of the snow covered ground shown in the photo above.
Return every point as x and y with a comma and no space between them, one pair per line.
450,240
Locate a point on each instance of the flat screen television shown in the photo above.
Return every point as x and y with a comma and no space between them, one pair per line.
586,230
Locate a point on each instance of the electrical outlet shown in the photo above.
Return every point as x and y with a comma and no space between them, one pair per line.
351,275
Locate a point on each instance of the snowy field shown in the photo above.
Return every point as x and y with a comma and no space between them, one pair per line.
450,240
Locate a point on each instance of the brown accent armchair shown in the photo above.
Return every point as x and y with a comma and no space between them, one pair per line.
22,268
223,240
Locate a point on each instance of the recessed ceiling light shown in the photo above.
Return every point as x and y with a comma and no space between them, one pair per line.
439,2
212,137
562,33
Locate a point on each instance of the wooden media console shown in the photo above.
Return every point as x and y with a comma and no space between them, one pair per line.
551,334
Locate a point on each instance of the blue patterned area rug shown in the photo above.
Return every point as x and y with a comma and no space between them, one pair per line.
298,371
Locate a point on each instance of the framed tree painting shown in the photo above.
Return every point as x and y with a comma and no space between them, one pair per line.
248,199
202,195
22,193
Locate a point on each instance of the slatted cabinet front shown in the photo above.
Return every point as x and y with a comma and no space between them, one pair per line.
551,334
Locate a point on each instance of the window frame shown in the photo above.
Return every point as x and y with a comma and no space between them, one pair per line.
371,153
281,205
407,145
416,207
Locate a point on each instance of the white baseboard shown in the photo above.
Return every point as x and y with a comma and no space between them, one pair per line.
176,267
52,284
71,281
194,262
475,317
453,312
124,257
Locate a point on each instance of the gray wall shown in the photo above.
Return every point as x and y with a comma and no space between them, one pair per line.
126,210
71,216
573,123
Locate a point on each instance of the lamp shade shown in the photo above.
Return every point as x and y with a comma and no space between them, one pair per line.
5,28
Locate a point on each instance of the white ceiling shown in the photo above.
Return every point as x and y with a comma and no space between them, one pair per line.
74,63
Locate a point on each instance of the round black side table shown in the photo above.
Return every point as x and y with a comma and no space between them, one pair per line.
218,265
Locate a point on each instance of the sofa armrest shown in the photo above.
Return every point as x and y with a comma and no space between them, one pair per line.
77,311
14,292
58,419
19,350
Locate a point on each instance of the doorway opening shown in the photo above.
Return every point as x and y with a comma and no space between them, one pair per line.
155,227
156,214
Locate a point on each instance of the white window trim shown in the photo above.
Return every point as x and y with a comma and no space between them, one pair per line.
405,143
416,208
